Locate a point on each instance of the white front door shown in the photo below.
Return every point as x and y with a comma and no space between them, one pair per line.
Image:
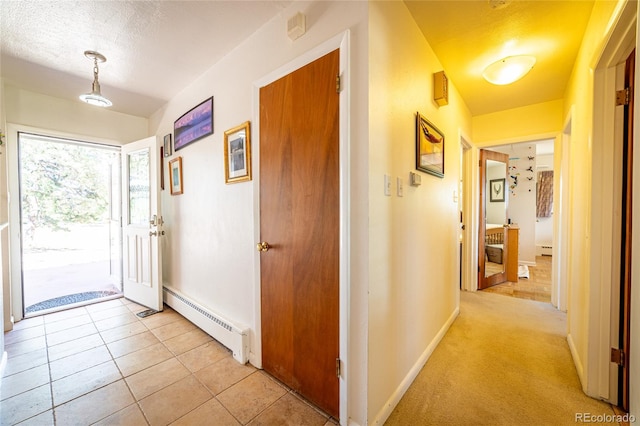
142,223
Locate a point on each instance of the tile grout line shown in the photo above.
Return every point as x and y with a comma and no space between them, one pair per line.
122,377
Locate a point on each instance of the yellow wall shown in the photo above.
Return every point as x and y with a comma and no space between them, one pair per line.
413,245
518,124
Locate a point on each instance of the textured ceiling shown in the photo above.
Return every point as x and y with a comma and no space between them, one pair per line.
153,48
469,35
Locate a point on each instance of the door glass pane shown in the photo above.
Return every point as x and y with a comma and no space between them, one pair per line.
139,204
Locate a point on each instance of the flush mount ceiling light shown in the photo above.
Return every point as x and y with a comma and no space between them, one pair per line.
509,69
95,97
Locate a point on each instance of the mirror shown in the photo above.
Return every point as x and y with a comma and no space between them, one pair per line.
494,197
495,217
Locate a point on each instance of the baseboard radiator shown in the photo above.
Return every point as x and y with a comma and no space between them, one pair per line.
233,336
543,250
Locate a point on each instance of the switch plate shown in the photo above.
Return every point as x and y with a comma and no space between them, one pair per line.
387,185
400,186
414,179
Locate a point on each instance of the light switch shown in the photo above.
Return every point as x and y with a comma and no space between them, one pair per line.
400,186
387,185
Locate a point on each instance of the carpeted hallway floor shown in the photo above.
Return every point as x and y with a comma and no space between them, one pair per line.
504,361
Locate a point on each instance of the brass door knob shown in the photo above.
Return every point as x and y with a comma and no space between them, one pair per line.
263,246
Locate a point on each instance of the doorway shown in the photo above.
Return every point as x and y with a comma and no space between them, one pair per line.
530,184
68,197
300,230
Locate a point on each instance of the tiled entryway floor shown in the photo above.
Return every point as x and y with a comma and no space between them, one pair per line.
102,364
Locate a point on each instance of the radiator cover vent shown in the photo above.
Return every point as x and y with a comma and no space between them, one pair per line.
233,336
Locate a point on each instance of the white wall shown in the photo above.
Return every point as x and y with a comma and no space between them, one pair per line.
522,199
209,253
413,282
71,117
4,255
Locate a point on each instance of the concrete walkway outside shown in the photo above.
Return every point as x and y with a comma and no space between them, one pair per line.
58,264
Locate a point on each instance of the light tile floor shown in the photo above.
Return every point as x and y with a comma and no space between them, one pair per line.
101,364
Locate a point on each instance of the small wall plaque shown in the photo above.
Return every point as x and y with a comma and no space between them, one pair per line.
441,88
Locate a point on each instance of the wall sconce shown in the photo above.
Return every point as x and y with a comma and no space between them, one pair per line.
441,88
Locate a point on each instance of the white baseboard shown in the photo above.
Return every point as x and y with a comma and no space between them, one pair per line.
395,398
577,362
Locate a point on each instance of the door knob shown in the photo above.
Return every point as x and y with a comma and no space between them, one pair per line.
263,246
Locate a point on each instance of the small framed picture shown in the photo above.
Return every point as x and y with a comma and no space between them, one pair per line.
161,168
237,153
429,147
195,124
175,175
496,186
167,145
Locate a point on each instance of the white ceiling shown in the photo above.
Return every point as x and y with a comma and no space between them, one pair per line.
153,48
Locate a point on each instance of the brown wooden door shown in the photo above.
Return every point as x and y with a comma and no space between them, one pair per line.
627,201
299,219
486,277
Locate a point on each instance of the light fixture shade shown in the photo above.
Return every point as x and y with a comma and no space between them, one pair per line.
509,69
96,99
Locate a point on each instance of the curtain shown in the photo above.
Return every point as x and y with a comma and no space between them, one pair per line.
544,198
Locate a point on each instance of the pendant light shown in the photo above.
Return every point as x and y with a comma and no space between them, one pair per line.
95,97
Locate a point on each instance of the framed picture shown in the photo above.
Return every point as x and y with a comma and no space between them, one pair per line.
496,190
175,175
162,168
167,145
429,147
195,124
237,154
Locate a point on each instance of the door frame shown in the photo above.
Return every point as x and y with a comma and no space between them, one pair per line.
469,203
341,42
13,305
598,375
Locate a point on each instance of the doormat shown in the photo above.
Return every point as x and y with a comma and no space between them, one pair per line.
68,299
146,313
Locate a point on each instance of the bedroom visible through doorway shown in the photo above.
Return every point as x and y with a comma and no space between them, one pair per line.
70,222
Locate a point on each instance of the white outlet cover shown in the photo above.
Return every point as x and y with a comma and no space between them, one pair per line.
400,186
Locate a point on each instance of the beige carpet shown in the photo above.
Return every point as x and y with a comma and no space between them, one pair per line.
504,361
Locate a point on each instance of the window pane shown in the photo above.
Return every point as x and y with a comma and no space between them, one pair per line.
139,205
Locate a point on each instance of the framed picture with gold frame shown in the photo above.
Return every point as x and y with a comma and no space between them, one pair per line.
429,147
175,175
237,153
